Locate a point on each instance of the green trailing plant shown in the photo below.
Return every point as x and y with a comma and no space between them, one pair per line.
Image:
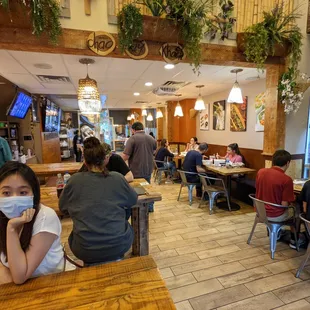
45,16
277,27
157,7
130,26
222,23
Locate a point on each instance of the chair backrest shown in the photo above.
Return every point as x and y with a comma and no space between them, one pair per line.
207,181
261,209
307,223
183,176
156,162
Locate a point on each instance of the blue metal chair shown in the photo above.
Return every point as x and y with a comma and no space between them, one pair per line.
273,227
190,186
213,190
307,255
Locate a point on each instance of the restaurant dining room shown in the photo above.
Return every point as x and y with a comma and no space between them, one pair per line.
154,154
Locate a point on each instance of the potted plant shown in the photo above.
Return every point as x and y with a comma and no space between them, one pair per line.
44,16
276,35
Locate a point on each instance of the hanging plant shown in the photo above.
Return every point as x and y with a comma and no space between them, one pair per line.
45,16
222,23
277,27
157,7
130,26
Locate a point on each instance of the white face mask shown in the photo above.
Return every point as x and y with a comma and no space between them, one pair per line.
14,206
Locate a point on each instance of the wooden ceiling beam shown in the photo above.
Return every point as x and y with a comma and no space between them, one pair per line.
74,42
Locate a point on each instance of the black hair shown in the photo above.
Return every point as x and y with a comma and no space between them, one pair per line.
151,134
203,147
235,148
195,139
137,126
8,169
280,158
163,143
94,154
76,132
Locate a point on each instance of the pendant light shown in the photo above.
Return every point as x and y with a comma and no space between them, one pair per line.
144,112
235,95
199,105
159,114
132,116
128,118
149,117
178,112
88,94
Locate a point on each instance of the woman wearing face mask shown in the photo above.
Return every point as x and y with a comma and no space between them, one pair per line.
29,232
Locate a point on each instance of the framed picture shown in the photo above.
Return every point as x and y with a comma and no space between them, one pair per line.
238,115
260,101
219,115
204,118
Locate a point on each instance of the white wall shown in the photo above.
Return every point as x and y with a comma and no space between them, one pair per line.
248,139
296,124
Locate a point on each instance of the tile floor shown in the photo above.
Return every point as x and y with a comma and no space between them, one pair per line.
207,263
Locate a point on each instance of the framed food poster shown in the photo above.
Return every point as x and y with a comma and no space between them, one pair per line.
219,115
204,118
238,115
260,101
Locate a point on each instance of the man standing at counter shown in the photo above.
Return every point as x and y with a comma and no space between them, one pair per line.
5,152
139,152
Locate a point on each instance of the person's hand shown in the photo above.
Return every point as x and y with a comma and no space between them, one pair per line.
217,156
26,217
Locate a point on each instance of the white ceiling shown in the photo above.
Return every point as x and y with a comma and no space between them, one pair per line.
116,78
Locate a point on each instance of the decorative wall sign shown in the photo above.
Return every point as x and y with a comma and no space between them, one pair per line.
204,118
101,43
219,115
172,53
238,115
65,8
139,50
260,101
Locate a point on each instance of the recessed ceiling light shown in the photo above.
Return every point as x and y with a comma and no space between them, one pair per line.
169,66
148,84
43,66
136,94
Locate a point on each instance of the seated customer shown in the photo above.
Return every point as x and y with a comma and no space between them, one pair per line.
99,203
233,154
193,163
274,186
162,153
192,145
29,232
113,162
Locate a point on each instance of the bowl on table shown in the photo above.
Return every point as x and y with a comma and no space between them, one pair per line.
207,162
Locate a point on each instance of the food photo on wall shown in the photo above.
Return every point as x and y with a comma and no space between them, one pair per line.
238,115
204,118
219,115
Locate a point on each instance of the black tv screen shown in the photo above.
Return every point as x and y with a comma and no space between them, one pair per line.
20,105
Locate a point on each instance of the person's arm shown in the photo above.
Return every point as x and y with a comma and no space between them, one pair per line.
64,198
7,153
187,147
199,167
304,206
128,149
5,275
288,193
129,177
23,264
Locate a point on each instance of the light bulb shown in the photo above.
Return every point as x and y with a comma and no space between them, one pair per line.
169,66
148,84
136,94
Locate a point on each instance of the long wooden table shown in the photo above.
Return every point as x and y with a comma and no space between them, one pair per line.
228,173
47,170
139,213
130,284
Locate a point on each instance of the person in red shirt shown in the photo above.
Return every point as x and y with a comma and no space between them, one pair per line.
274,186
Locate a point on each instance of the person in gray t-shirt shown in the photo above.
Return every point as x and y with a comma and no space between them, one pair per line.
139,152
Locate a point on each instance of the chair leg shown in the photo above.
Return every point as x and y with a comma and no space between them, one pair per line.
256,220
295,237
190,193
228,201
273,238
159,177
180,192
202,198
304,262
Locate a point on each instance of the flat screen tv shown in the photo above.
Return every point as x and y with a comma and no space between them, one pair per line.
20,105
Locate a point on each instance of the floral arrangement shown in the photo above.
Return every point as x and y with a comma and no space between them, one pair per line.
291,92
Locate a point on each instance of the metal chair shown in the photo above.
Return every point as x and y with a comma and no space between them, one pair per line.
160,170
70,257
272,227
307,255
212,190
190,186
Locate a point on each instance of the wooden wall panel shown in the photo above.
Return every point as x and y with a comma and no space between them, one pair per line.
50,150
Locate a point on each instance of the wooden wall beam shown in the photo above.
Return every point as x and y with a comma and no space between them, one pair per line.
274,134
74,42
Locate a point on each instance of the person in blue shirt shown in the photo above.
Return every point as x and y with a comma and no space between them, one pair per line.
5,152
162,154
193,163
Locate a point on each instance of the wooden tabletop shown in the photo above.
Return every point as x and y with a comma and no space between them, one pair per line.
54,169
230,171
130,284
49,195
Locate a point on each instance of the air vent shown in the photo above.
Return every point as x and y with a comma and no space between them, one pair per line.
169,88
141,102
64,96
51,79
